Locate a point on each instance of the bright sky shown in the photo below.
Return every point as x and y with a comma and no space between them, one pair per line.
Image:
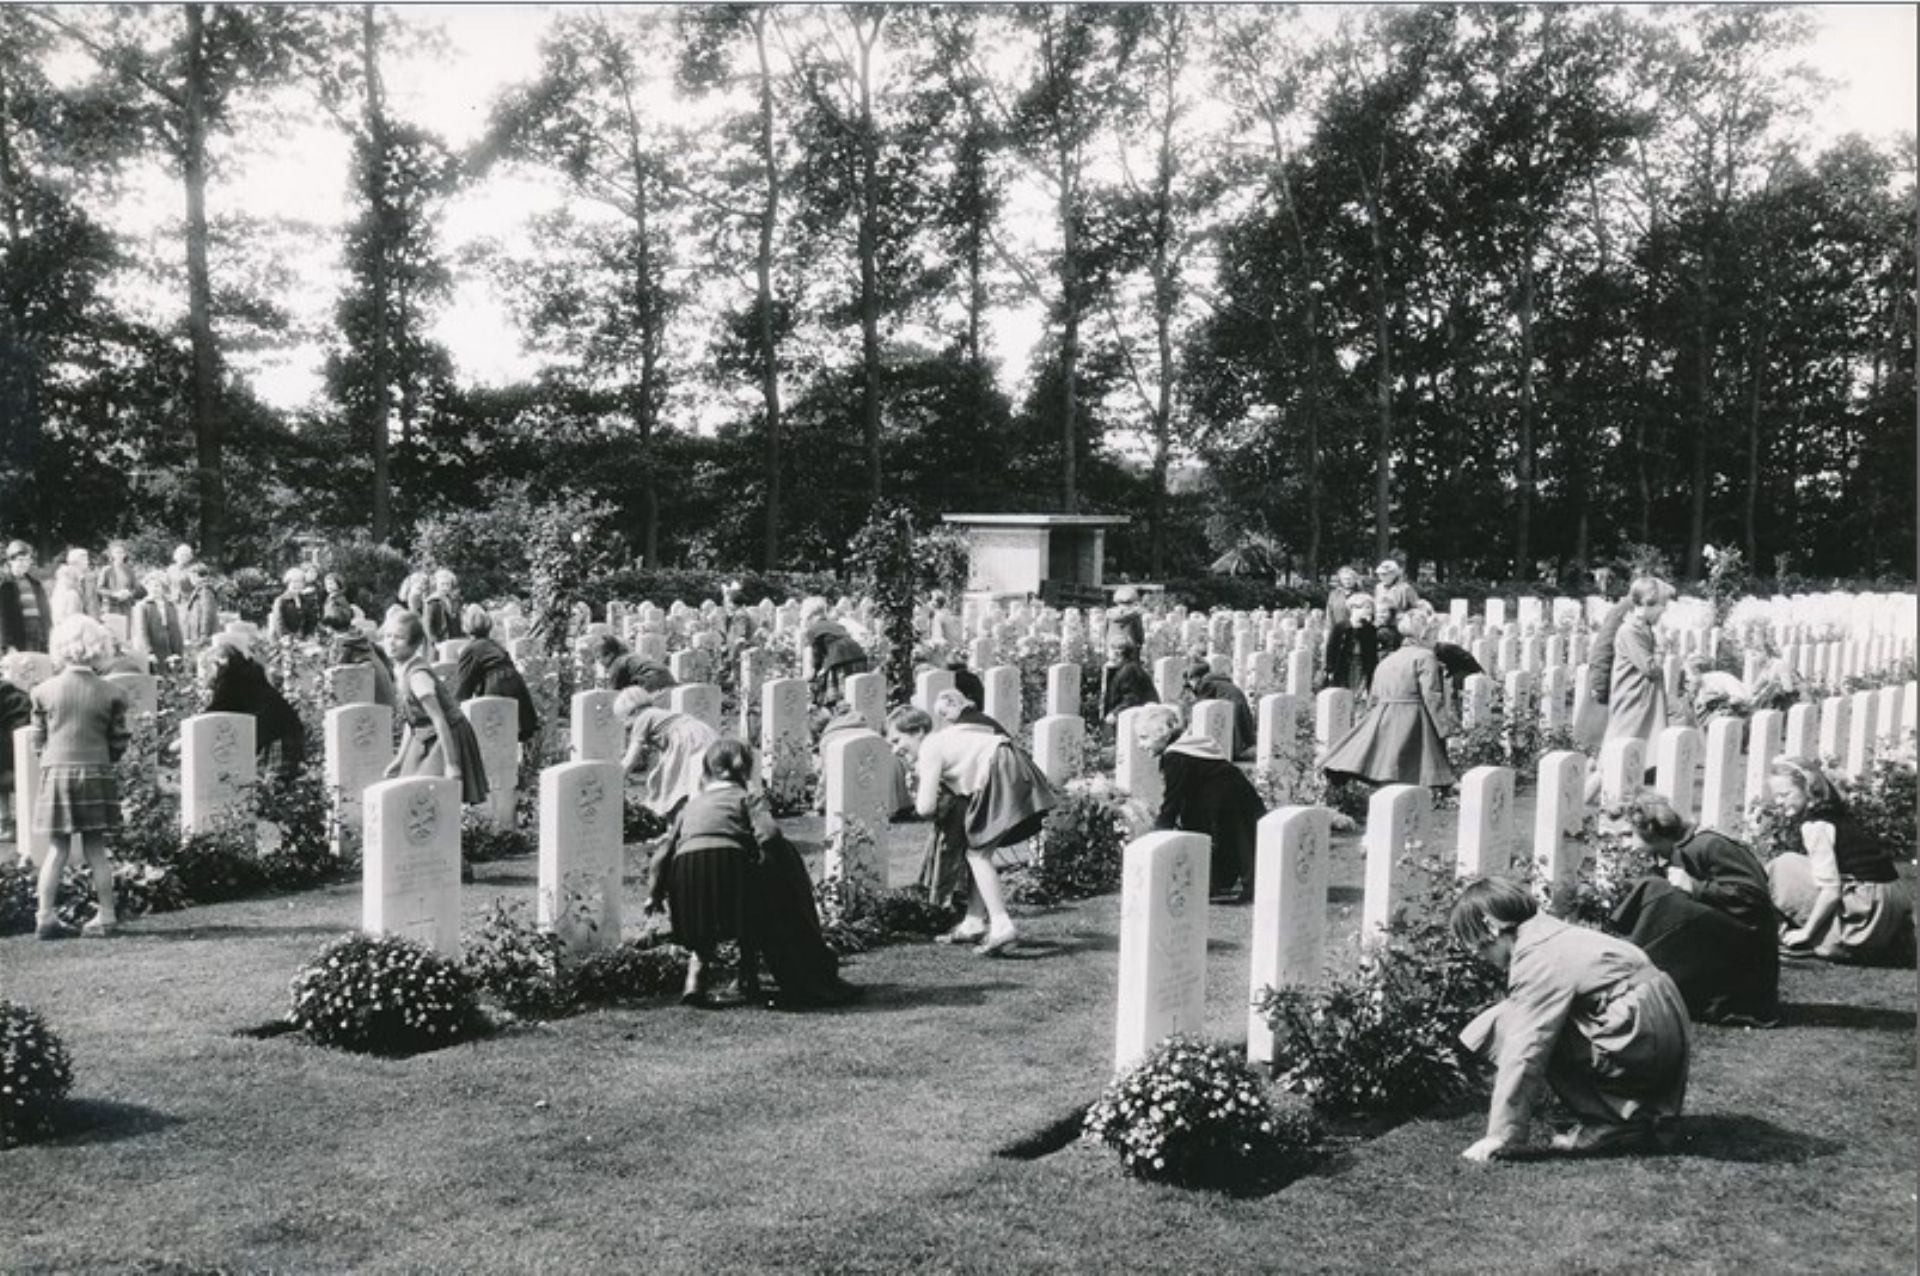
1868,50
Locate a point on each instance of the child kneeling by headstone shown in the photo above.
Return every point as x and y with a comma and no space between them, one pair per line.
1585,1012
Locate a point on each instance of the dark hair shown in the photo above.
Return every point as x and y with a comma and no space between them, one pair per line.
729,760
1198,669
607,647
1652,816
1484,899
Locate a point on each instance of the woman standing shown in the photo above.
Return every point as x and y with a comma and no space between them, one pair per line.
442,617
667,750
80,727
1637,689
117,584
437,739
1842,898
983,792
1402,739
154,627
1353,647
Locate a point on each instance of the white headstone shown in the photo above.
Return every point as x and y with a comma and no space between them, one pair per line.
1676,767
1803,731
1766,741
1276,728
1060,746
1553,698
1486,842
1169,676
1887,725
1063,689
411,881
1163,943
855,767
349,684
786,755
755,667
1397,817
359,745
1476,701
1214,719
688,666
867,693
1300,672
1136,771
1725,783
1559,813
26,793
1289,909
1332,715
1836,718
698,700
216,767
1862,732
1002,687
582,815
929,684
1623,768
496,725
597,736
1262,676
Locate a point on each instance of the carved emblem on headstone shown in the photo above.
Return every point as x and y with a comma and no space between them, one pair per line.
363,732
226,742
1179,883
588,800
422,817
866,770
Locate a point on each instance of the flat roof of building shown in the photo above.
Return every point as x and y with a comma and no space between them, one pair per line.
1038,520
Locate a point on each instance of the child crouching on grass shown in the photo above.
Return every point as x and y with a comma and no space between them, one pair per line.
1585,1012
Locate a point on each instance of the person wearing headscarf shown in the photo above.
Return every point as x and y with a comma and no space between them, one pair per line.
1393,597
1204,684
1204,792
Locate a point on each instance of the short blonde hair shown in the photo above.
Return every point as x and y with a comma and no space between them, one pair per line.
630,701
444,579
476,621
1156,718
1413,624
155,582
1648,590
80,640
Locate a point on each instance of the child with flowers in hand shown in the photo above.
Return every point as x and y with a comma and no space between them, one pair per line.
1585,1013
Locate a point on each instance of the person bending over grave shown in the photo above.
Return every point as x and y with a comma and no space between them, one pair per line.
1204,684
442,616
80,728
352,646
1842,897
834,653
847,718
664,748
236,683
1587,1014
485,669
1353,645
1128,684
1704,916
983,792
965,680
1206,793
620,668
437,739
1402,738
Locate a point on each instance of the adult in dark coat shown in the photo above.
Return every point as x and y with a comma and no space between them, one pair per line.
1402,740
1353,646
1129,685
1590,724
1707,919
966,681
1204,684
25,617
623,668
485,669
1205,793
237,684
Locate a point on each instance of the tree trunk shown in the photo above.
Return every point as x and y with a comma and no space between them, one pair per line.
209,424
1524,480
1697,513
19,364
869,269
763,278
1383,381
1753,453
380,357
1164,301
1313,433
1069,335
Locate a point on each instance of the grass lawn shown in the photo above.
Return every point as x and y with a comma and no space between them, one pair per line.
868,1139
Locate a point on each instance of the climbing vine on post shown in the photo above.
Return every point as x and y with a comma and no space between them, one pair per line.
896,565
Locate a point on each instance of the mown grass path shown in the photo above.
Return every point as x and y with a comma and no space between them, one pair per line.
670,1139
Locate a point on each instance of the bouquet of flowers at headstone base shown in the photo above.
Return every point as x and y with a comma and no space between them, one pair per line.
382,994
35,1073
1194,1113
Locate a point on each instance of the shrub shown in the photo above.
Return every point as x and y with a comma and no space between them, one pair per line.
1080,846
640,824
35,1073
1883,799
381,994
1383,1036
854,918
519,965
301,806
220,864
371,571
1613,861
1194,1113
635,970
19,897
482,840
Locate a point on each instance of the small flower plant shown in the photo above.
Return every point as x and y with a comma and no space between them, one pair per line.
35,1073
382,994
1194,1113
